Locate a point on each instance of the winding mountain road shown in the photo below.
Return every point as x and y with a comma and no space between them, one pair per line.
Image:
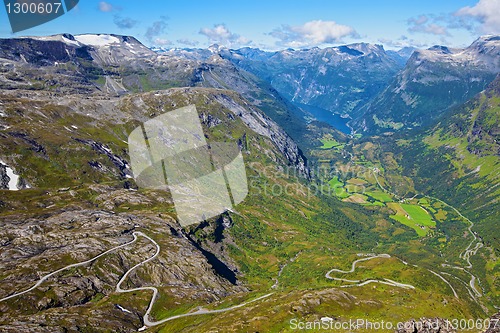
200,311
469,251
119,289
465,254
46,277
359,283
445,281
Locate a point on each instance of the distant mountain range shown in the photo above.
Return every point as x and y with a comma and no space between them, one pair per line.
432,81
377,90
337,79
413,194
381,90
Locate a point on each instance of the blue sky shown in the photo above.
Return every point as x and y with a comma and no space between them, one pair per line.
279,24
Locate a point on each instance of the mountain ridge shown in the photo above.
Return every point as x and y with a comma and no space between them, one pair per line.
432,81
64,123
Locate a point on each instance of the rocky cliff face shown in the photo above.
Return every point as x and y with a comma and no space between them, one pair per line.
68,148
263,125
338,79
4,178
432,82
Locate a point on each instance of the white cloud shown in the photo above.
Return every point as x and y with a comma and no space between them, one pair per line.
422,24
124,22
161,42
401,42
487,12
187,42
156,29
432,28
312,33
220,34
105,7
422,19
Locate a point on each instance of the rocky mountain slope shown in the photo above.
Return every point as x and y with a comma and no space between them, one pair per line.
432,81
463,150
118,65
382,90
72,149
458,160
82,202
339,79
64,123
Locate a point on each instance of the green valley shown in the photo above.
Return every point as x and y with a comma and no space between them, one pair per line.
395,221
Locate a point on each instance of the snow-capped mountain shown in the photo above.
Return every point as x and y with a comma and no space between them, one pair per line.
102,48
381,90
338,79
432,81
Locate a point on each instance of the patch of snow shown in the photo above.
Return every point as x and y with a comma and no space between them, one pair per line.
123,309
143,328
74,126
131,47
326,319
97,40
13,178
59,38
69,41
107,150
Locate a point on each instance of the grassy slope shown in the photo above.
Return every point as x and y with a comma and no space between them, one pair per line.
458,161
281,222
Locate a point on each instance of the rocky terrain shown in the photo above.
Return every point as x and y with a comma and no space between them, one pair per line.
67,193
72,149
338,79
79,298
381,90
434,79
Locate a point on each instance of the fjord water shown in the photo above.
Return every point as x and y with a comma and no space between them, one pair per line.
326,116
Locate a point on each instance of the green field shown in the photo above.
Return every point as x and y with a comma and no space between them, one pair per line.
375,203
379,196
330,143
335,182
413,216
